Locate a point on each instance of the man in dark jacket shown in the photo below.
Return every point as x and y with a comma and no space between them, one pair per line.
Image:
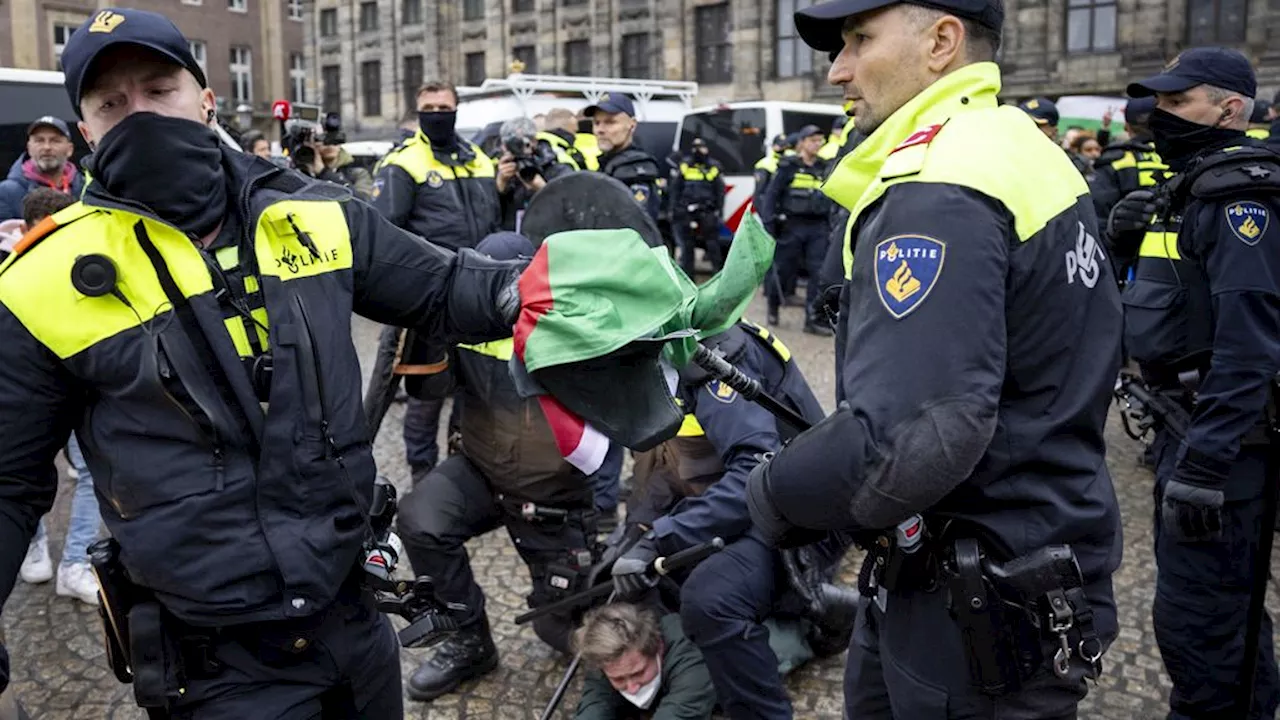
697,201
1122,168
190,321
640,668
45,164
509,472
614,125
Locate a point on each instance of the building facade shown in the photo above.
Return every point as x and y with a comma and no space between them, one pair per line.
370,56
251,50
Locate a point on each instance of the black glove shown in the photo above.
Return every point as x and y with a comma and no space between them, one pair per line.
1192,505
774,529
1133,213
508,300
804,574
633,573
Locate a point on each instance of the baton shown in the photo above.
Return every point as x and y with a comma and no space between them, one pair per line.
663,566
725,372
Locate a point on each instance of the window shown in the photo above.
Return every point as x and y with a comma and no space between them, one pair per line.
238,5
200,52
577,57
241,74
1091,25
711,35
368,16
371,87
61,34
793,58
635,56
329,22
295,9
331,87
413,78
734,137
522,6
527,54
1215,21
474,68
472,9
297,78
411,12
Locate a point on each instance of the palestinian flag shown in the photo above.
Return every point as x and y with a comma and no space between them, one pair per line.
589,293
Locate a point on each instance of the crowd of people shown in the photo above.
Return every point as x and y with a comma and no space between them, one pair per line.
183,333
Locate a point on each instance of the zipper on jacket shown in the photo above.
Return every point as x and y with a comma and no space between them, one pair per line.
210,436
331,447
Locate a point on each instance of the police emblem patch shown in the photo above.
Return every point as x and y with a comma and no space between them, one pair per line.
434,179
722,392
377,187
907,268
640,193
1248,220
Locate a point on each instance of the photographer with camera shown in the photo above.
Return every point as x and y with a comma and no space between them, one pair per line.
526,165
316,151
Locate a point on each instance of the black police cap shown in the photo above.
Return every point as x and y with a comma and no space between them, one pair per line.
121,26
821,28
1217,66
1042,110
1138,110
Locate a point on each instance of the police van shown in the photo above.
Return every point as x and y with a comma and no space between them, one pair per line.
660,105
738,135
24,96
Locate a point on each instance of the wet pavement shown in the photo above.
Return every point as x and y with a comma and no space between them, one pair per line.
60,670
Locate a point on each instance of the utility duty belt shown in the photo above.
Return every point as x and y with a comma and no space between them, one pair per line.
1016,617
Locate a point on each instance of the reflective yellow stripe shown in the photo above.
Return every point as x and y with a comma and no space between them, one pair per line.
1258,133
561,148
250,284
239,338
500,349
40,294
1128,160
690,427
804,181
415,157
697,174
587,144
783,352
228,257
281,253
1160,245
768,164
260,314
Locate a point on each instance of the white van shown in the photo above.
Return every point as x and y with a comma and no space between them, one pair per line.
738,136
659,104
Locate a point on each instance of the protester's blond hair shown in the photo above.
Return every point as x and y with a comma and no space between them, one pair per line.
609,632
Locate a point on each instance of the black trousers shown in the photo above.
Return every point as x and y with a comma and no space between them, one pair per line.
455,503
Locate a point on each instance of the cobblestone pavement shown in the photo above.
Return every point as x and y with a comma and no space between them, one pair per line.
60,671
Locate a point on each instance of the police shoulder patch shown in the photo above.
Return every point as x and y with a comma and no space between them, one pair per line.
722,392
377,187
906,269
1248,220
434,179
640,193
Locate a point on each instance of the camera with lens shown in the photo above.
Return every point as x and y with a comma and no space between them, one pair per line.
519,137
430,618
307,127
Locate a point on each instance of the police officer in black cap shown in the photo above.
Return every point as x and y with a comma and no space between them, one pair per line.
1210,486
190,321
980,329
1045,114
613,121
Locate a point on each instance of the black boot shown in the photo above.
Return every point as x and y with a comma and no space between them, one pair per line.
772,318
813,327
466,655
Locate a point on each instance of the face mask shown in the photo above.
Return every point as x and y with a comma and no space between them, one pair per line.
701,152
173,166
645,696
1177,139
438,127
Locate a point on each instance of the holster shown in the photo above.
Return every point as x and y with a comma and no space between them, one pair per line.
1016,615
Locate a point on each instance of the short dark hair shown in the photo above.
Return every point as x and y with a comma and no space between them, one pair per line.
43,202
438,86
984,42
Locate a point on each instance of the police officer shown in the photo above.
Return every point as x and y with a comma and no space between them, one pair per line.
697,198
1210,513
509,472
613,123
189,321
446,189
970,235
1045,114
559,136
726,598
1125,167
795,212
766,167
